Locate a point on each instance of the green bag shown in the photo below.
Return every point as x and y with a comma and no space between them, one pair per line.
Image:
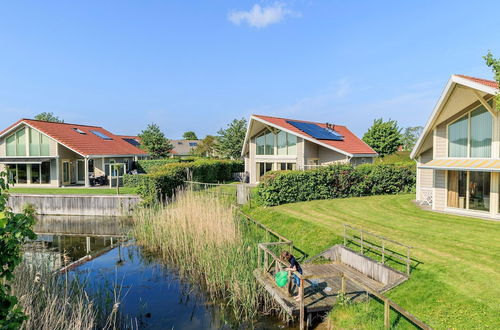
281,278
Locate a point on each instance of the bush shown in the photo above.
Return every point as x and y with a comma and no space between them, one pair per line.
336,181
162,181
150,165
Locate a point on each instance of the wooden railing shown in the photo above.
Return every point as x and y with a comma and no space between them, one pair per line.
382,248
267,259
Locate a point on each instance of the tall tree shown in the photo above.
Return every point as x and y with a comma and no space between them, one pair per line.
494,64
206,147
410,137
154,142
230,140
384,136
49,116
189,135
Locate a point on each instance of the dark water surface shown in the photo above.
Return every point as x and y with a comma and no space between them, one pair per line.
153,296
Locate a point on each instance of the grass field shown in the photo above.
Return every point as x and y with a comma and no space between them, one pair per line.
72,191
456,286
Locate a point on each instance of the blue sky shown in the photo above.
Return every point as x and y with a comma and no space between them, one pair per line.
196,65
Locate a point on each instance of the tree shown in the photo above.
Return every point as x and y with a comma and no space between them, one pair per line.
230,140
384,137
49,116
410,137
15,230
154,142
494,64
206,147
189,135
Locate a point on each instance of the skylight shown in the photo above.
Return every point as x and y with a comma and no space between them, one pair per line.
78,130
101,135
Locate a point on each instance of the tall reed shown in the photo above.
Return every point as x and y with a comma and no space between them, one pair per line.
62,302
202,236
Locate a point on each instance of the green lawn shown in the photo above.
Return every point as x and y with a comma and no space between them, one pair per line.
457,284
73,191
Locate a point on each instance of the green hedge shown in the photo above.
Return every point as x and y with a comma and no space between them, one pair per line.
335,181
163,180
150,165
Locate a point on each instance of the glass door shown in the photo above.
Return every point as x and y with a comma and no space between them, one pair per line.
80,171
66,173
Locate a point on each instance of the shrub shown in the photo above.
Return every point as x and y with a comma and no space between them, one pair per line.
162,181
150,165
336,181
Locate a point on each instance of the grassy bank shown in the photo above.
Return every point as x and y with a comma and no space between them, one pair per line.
201,236
456,284
73,191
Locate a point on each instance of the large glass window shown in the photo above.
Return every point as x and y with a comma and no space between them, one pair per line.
22,173
35,173
480,132
457,189
16,144
469,190
470,136
479,191
281,143
34,143
45,172
264,168
287,166
458,136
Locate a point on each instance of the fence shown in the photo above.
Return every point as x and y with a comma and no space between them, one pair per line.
360,239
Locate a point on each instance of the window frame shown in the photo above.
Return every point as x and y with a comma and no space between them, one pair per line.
469,137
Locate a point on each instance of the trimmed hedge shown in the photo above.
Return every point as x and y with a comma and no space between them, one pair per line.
163,180
336,181
150,165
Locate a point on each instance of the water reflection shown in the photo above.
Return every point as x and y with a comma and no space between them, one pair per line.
153,296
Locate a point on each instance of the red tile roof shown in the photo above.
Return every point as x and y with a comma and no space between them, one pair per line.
351,143
489,83
85,144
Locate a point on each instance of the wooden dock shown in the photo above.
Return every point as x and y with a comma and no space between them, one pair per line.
321,289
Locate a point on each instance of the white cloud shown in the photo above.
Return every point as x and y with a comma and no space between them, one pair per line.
260,17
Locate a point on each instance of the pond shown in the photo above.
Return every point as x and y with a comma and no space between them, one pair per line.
153,296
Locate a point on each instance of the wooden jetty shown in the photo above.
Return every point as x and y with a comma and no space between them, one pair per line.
339,273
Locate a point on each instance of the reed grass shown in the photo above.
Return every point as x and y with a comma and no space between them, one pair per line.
203,237
62,302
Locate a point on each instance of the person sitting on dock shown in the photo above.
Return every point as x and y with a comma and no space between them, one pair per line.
294,267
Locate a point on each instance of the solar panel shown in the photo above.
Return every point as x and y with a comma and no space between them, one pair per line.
133,142
316,131
101,135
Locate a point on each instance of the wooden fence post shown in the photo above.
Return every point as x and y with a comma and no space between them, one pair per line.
266,261
345,235
342,286
259,257
408,261
387,315
361,234
383,251
301,296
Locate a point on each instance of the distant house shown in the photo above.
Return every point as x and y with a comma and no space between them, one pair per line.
40,153
458,153
183,147
273,143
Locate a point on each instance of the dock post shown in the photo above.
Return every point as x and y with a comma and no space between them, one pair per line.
387,310
301,296
342,286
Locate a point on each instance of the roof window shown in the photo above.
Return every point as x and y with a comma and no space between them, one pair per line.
76,129
101,135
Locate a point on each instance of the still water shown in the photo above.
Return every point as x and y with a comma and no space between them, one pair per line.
153,296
